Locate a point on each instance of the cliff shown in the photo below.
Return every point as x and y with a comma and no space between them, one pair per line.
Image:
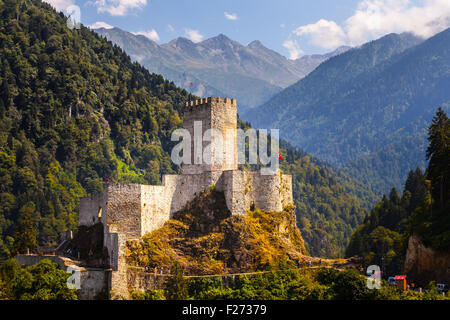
206,239
423,264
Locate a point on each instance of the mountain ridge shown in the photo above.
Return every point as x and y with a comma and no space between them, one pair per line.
219,65
359,103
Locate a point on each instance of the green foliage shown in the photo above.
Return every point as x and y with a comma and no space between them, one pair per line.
157,294
382,238
431,220
423,209
42,281
177,284
290,284
25,236
74,110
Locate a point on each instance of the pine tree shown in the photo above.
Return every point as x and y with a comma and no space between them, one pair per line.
177,286
26,234
438,154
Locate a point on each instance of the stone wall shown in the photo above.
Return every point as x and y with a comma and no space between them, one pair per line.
93,281
213,113
138,280
118,281
245,190
287,197
124,208
91,207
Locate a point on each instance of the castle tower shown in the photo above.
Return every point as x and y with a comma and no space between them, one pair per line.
209,152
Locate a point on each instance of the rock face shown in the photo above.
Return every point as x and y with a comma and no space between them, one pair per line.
424,264
205,238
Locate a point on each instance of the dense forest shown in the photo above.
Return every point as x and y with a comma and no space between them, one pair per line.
75,110
423,209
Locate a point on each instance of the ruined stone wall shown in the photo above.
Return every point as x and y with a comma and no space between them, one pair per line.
118,285
287,197
124,209
92,280
92,283
249,189
111,243
232,183
90,207
264,191
155,206
158,203
138,280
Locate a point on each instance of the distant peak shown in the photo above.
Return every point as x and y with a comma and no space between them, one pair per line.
180,41
255,44
221,38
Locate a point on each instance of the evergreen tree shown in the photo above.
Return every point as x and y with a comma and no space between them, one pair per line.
438,154
26,234
177,286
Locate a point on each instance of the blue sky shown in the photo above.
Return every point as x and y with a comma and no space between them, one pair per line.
290,27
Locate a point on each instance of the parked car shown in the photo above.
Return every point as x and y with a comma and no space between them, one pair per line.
391,281
441,287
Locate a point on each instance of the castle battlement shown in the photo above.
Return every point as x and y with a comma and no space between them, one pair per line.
199,102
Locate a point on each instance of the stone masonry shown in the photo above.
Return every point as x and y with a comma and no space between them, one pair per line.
128,211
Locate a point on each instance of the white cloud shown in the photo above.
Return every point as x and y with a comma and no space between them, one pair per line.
170,28
151,34
60,5
230,16
374,18
118,7
282,25
100,24
193,35
323,33
293,48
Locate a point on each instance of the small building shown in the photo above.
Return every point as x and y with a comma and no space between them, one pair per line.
401,282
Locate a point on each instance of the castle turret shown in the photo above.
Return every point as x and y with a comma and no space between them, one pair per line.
212,124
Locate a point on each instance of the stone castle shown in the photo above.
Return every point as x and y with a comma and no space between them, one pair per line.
128,211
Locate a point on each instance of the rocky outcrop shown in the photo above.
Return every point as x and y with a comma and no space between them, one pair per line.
206,239
423,264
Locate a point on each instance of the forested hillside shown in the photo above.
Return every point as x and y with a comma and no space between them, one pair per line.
367,110
329,204
422,210
75,110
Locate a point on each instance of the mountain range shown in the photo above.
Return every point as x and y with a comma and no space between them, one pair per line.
367,109
219,66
